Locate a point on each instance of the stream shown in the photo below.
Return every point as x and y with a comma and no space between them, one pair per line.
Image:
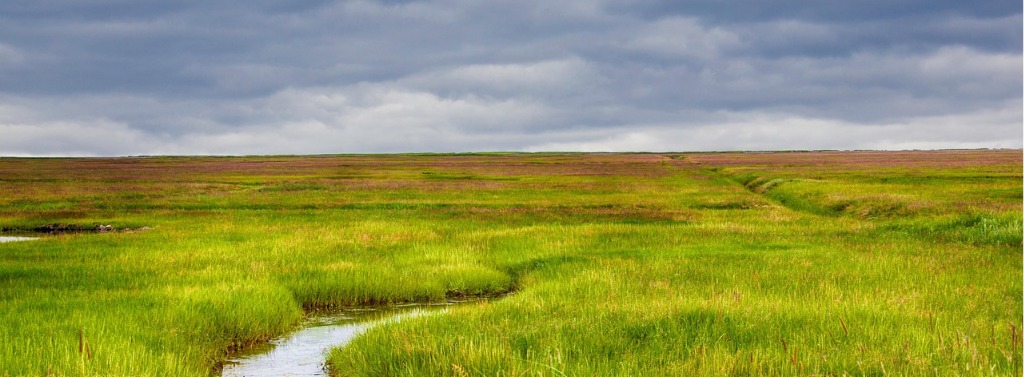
304,352
13,239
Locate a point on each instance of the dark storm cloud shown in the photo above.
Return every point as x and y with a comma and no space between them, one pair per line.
368,76
832,11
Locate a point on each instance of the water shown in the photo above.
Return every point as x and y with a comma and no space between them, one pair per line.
13,239
304,352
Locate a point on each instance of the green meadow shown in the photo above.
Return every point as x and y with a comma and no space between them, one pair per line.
720,264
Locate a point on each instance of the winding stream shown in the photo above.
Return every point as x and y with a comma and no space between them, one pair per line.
304,352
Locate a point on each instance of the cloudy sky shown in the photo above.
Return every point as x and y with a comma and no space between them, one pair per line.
132,77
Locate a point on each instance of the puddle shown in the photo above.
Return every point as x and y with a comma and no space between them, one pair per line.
14,239
304,352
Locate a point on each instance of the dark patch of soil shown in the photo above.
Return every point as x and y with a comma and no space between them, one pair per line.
62,228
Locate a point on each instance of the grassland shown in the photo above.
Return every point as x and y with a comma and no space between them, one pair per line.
828,263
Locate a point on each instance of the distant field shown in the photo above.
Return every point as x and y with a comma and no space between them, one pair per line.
799,263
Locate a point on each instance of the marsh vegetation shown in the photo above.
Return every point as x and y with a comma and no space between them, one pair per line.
826,263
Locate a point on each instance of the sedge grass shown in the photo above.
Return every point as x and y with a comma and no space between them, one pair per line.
623,264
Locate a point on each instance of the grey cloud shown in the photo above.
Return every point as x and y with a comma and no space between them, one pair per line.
775,131
835,11
563,81
321,76
683,38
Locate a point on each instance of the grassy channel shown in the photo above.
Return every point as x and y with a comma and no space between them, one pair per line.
826,263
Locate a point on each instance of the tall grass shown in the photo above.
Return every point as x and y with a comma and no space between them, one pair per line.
624,264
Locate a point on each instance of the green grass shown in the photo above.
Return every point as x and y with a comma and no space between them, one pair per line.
623,264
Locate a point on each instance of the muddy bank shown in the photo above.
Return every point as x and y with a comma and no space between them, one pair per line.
63,228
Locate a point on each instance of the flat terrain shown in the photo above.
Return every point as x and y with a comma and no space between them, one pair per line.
817,263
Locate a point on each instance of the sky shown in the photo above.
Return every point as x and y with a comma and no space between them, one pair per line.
187,77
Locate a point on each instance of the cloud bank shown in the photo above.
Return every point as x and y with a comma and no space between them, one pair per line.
136,78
